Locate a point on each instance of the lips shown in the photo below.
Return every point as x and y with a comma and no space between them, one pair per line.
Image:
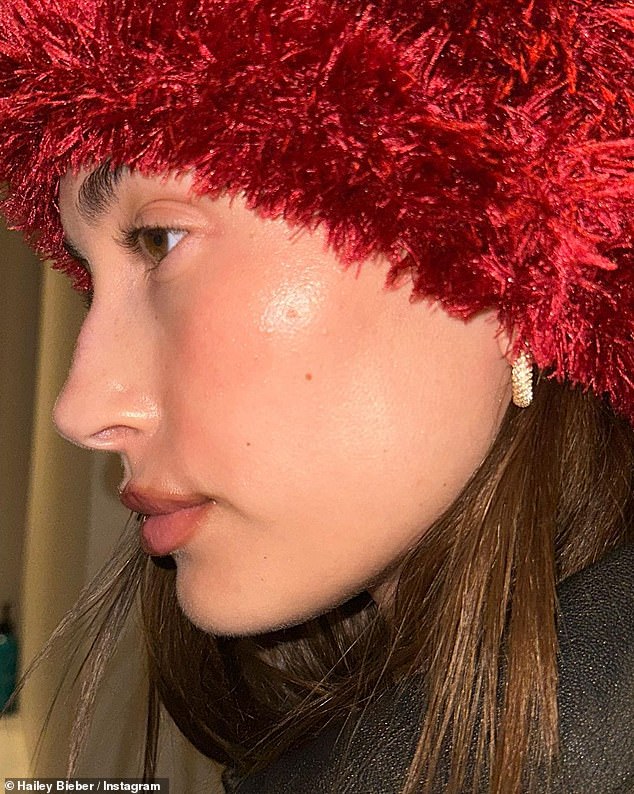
168,521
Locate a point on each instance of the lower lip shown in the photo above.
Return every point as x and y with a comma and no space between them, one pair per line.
164,534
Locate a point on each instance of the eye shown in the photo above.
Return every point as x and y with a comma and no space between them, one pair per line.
157,243
154,243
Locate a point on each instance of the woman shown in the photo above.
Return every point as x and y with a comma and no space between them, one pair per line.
367,536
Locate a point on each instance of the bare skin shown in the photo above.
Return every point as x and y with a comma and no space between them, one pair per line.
330,420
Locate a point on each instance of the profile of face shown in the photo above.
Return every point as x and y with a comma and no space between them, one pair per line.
301,424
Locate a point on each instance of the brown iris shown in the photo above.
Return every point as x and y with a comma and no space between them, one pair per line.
155,243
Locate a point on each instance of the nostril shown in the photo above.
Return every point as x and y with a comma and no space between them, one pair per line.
110,437
106,435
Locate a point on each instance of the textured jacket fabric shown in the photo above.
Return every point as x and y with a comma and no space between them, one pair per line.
596,701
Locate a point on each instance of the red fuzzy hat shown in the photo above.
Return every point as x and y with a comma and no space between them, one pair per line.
485,147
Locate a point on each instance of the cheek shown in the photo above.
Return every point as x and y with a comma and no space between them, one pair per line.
247,358
273,394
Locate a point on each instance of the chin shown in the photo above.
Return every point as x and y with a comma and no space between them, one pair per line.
227,611
230,613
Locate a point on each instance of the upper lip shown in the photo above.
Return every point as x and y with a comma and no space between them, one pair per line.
156,503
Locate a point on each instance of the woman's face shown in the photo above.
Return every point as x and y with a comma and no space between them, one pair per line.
318,422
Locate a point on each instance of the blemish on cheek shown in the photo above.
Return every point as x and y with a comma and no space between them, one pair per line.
308,376
291,307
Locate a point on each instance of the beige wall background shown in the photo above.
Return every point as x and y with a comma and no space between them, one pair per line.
19,310
59,521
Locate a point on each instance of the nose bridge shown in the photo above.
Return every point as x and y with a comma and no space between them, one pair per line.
109,396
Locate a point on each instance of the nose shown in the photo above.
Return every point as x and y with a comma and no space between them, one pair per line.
109,399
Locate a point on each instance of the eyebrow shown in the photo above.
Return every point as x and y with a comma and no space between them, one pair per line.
98,191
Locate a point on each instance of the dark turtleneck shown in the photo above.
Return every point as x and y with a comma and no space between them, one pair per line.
596,702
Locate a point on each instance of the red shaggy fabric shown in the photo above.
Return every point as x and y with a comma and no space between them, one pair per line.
485,147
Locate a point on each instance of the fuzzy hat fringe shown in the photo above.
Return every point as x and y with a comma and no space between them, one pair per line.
485,148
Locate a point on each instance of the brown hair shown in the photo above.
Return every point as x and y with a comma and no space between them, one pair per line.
474,613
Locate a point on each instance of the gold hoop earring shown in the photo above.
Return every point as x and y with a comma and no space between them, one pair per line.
522,380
